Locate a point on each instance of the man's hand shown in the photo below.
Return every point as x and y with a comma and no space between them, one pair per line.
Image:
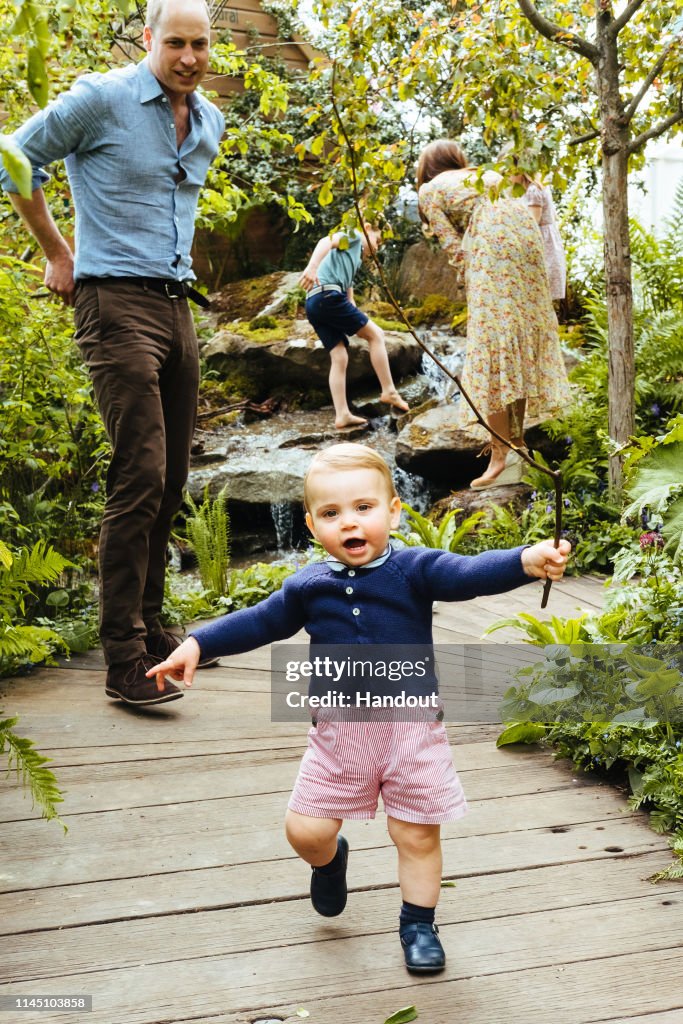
545,561
59,277
181,664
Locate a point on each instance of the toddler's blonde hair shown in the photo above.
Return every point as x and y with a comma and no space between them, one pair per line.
347,456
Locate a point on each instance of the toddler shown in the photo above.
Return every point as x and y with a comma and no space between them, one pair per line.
367,592
328,280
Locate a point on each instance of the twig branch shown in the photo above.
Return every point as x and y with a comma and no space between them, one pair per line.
578,139
555,475
557,34
616,26
657,129
654,71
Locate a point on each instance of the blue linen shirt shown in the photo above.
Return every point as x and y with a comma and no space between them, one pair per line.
116,134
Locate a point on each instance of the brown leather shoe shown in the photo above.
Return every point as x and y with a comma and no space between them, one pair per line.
128,682
160,645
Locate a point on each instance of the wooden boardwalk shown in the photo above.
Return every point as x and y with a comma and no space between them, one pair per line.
175,897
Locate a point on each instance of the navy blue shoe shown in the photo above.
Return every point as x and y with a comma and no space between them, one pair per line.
328,891
422,948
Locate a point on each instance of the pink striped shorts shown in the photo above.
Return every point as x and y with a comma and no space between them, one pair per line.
348,764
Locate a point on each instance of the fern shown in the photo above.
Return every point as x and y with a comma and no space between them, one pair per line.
208,531
31,771
38,565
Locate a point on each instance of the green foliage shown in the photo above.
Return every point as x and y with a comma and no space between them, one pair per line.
208,531
31,771
434,308
52,442
655,484
19,575
446,535
260,323
244,588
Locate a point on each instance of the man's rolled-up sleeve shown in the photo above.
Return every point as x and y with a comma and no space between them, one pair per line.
67,125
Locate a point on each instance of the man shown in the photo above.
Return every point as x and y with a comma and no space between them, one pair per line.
137,143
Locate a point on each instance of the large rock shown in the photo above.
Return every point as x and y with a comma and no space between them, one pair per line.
432,444
243,300
301,363
426,271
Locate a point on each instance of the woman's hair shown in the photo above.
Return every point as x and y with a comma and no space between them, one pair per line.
347,456
442,155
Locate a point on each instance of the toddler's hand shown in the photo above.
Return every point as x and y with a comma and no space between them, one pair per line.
180,664
545,561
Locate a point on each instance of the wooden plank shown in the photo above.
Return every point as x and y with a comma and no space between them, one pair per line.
130,785
191,983
213,833
592,992
236,20
115,945
280,876
470,755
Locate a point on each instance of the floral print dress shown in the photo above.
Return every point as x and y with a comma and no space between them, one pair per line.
513,347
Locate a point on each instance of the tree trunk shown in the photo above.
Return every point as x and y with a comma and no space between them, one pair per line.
615,138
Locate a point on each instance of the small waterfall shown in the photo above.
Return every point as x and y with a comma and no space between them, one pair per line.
283,521
414,490
442,343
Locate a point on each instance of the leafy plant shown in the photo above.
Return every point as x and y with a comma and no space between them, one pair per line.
19,573
445,535
30,768
655,484
208,531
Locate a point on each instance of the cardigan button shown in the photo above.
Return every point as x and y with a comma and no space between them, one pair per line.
349,590
356,611
352,572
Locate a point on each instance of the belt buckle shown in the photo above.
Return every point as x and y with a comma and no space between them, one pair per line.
168,285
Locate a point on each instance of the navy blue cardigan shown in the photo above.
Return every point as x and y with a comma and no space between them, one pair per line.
388,604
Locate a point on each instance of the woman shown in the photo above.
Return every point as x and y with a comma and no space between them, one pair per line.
514,365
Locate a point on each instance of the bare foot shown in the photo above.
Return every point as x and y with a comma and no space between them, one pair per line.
393,398
350,421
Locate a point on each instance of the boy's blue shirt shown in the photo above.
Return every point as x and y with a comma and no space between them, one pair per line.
341,265
390,603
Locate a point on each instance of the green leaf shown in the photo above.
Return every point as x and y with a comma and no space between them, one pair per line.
16,165
521,732
544,693
402,1016
37,76
326,195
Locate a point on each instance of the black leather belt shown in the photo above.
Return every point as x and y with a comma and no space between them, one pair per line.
167,286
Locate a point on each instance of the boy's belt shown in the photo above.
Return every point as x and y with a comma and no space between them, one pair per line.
167,286
324,288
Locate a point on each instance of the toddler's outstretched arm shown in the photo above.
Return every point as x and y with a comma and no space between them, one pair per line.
180,664
545,561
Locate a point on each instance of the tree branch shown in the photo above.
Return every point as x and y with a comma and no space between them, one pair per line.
578,139
654,132
615,27
557,34
654,71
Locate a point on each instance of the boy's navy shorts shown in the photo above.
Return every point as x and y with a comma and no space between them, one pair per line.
334,318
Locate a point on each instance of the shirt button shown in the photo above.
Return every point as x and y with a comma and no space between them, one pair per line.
349,590
356,611
352,572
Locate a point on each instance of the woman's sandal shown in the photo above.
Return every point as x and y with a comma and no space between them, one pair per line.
511,473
